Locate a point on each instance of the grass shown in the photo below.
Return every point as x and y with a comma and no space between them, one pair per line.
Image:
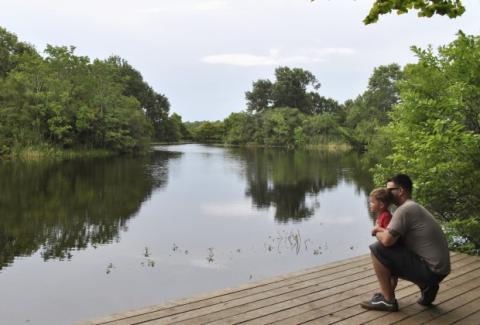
45,152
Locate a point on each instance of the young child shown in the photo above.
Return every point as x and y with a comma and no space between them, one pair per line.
380,199
379,202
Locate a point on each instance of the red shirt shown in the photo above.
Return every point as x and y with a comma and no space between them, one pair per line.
384,218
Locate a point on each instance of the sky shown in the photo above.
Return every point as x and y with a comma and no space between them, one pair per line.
204,54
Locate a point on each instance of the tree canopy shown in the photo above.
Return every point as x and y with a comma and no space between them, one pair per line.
435,133
426,8
293,87
69,101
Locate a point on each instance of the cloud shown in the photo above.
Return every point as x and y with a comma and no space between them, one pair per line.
186,7
275,57
231,210
337,220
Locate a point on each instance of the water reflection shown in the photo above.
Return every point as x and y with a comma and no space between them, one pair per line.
59,207
284,178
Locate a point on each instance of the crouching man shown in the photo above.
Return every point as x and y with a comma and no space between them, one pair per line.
413,247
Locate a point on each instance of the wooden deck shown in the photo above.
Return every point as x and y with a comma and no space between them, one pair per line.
322,295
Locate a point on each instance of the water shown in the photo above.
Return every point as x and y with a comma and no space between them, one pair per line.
88,238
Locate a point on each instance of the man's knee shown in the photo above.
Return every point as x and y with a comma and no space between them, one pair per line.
378,252
376,248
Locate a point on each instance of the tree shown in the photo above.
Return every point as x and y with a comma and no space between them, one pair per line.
260,98
369,111
278,126
155,105
290,88
294,88
435,134
239,128
426,8
11,51
66,101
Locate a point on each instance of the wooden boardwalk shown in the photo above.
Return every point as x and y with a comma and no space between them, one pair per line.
322,295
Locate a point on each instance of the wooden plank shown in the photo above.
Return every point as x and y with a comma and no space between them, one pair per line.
454,289
325,313
338,284
224,295
277,298
285,309
263,314
470,319
455,314
355,313
466,292
279,294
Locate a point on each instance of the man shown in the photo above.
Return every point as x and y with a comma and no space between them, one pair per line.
413,247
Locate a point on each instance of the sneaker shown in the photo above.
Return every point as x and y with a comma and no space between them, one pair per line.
378,302
428,295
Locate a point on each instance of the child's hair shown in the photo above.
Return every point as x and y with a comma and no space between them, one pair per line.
383,195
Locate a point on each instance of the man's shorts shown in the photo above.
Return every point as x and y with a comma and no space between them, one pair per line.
404,264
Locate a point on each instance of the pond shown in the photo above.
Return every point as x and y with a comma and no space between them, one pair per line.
87,238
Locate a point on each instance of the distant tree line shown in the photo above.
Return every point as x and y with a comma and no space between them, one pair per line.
290,112
68,101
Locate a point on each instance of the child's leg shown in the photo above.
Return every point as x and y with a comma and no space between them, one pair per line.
394,281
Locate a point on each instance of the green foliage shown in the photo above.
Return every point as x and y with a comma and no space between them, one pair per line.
321,129
368,112
295,88
260,98
464,235
278,126
67,101
426,8
156,106
239,128
206,131
435,134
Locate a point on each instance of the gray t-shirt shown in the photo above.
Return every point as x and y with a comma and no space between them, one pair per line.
422,235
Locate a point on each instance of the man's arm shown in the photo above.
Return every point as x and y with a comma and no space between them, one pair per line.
384,236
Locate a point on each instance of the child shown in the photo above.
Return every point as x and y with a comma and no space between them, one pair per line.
380,199
379,202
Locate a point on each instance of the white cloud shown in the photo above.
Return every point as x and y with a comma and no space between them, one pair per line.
186,7
337,220
231,210
275,57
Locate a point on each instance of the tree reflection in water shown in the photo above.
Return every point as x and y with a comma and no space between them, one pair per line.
284,178
58,207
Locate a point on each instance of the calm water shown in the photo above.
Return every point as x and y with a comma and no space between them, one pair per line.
88,238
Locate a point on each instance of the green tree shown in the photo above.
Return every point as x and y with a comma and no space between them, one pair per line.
260,98
369,111
290,88
156,105
278,126
206,131
12,51
295,88
434,132
66,101
239,128
426,8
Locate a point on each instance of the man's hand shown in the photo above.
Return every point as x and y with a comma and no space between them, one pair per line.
376,229
384,236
